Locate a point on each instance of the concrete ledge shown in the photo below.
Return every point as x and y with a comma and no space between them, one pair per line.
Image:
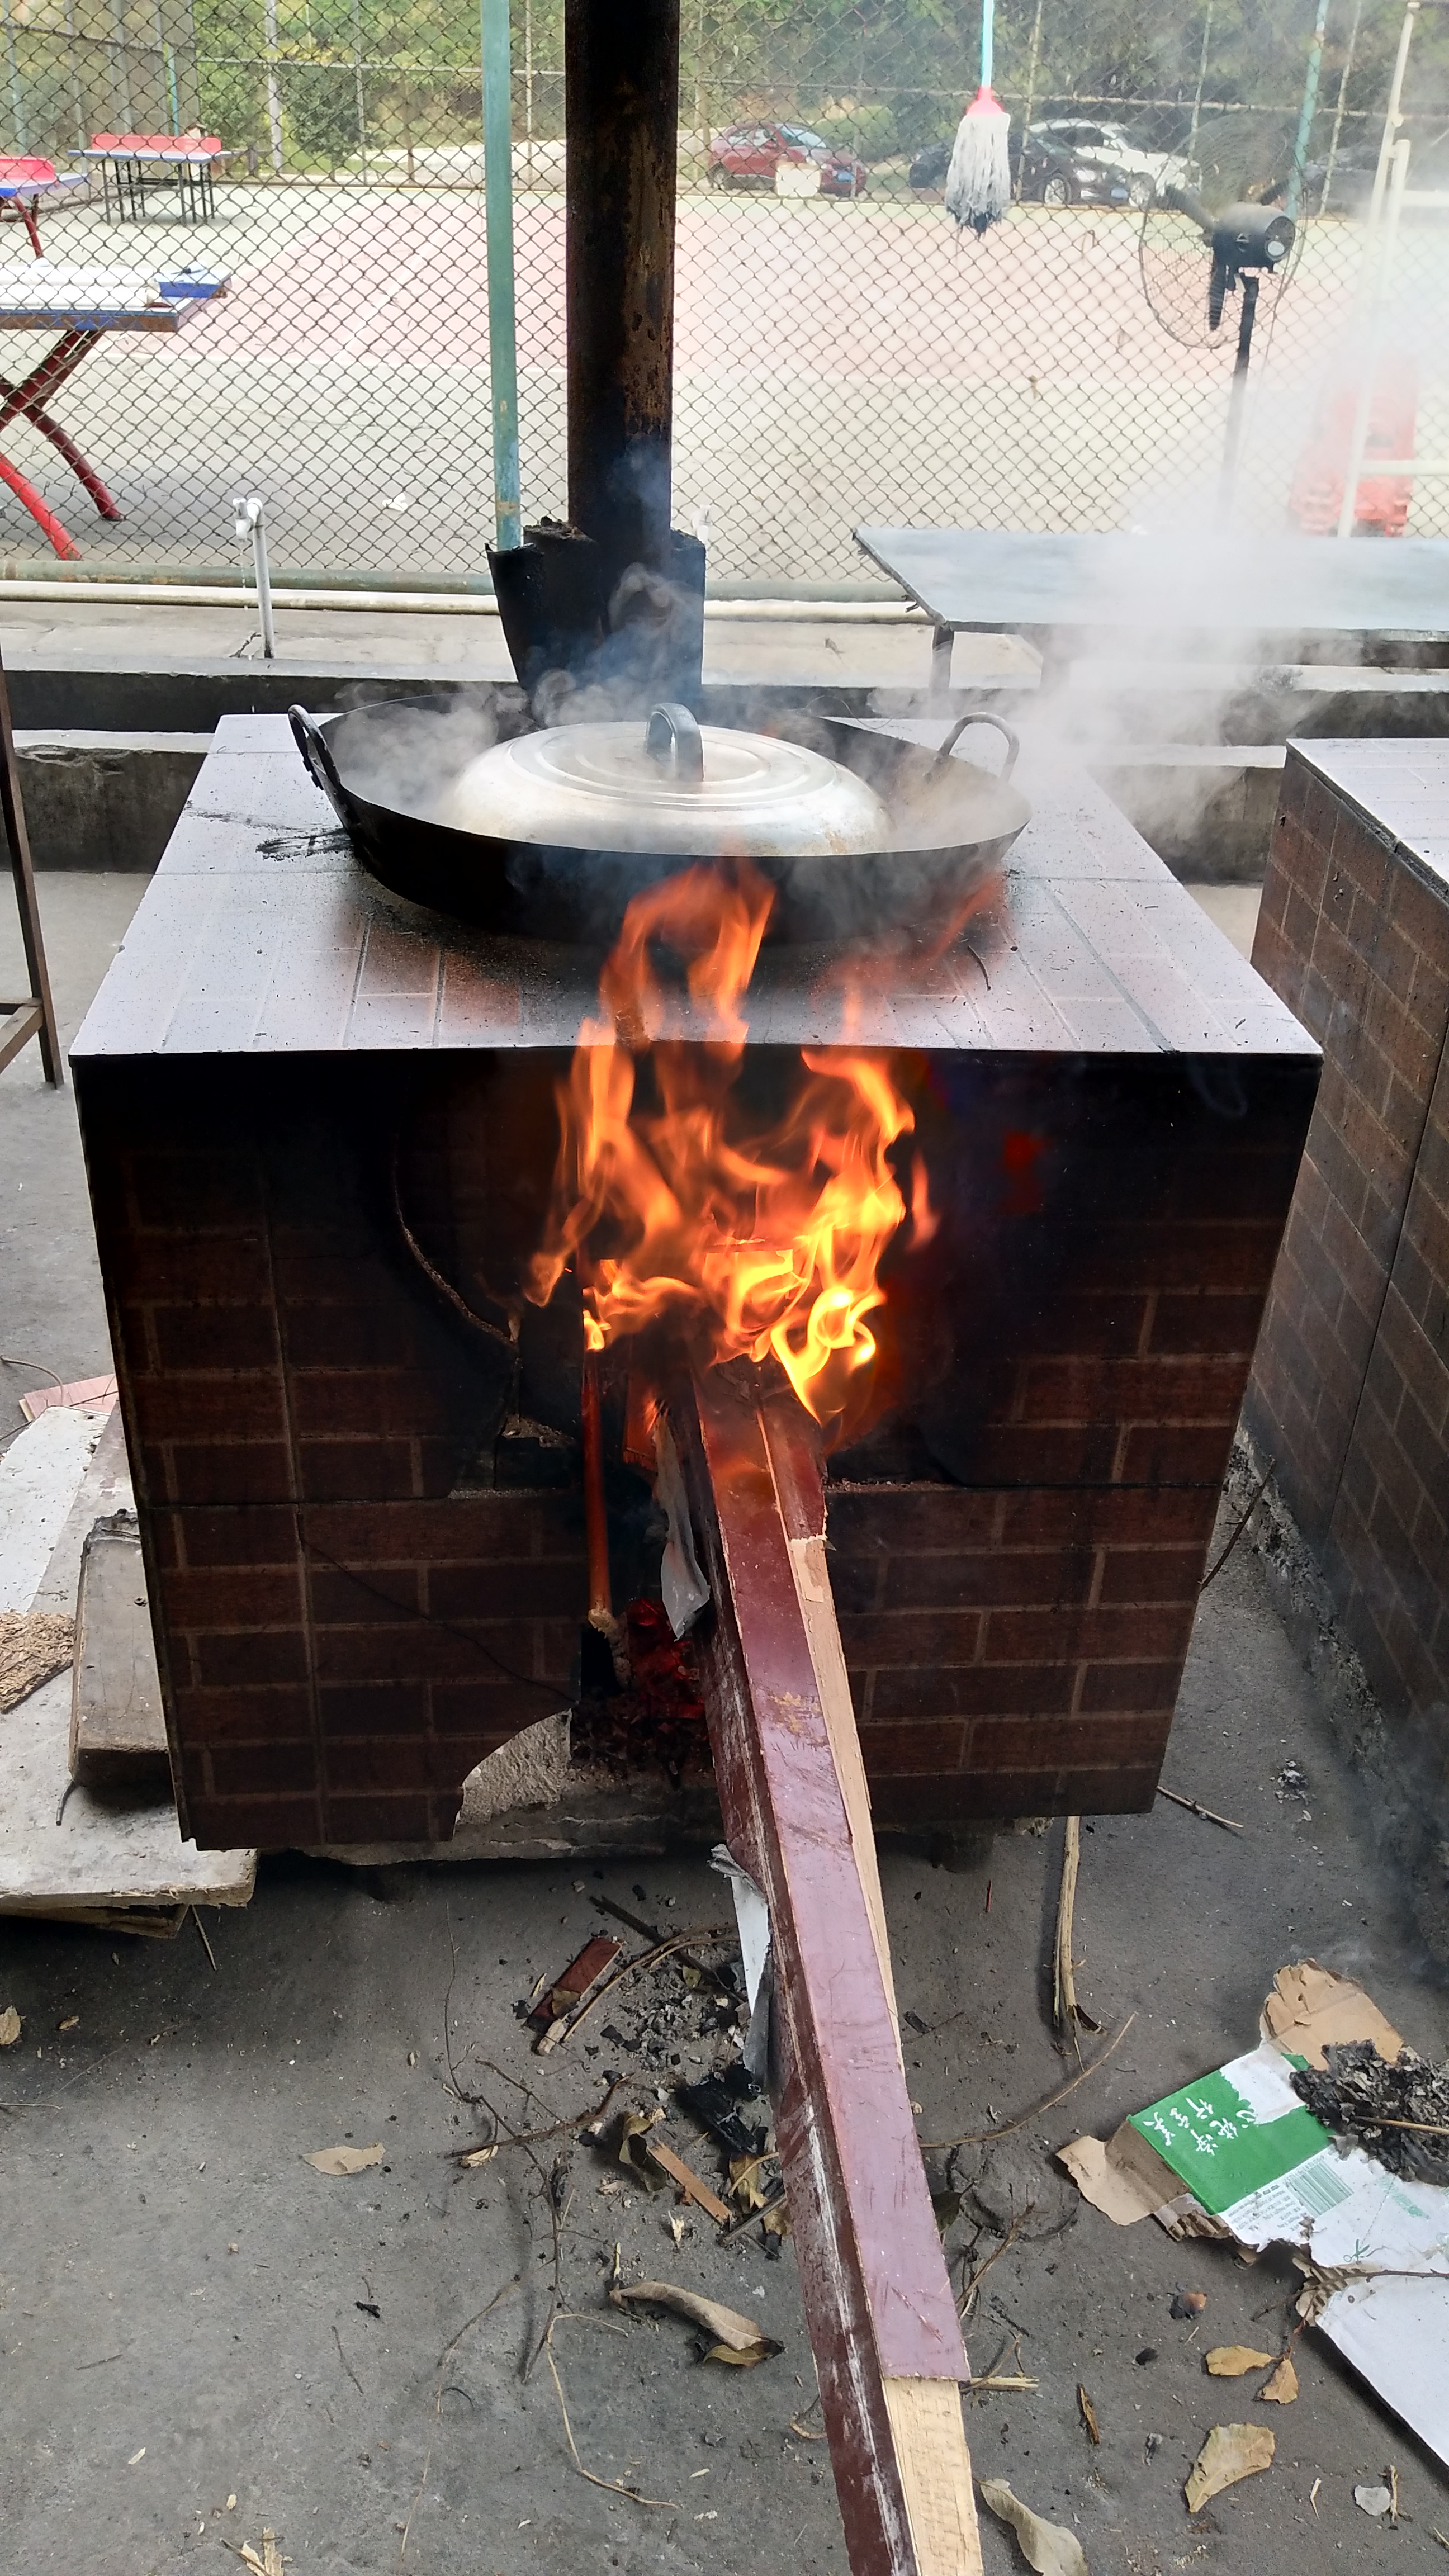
1207,809
105,801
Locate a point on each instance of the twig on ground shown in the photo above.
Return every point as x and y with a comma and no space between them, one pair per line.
737,2226
970,2288
443,2360
1007,2128
560,2201
1194,1807
992,2382
346,2364
611,2486
1259,1490
651,1932
531,2137
646,1959
201,1928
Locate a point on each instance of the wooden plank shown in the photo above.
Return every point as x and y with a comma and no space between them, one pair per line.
117,1725
882,2319
687,2180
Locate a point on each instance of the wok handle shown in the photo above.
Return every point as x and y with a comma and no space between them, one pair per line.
979,715
672,737
317,759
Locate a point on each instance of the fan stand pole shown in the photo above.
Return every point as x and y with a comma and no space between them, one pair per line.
1238,395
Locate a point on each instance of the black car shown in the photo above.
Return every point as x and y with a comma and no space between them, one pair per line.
1058,165
1069,164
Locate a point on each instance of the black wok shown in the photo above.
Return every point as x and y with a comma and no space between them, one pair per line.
954,824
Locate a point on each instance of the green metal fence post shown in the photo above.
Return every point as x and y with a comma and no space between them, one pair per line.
17,94
1308,110
498,202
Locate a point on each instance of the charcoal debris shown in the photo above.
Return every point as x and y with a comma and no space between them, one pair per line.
1358,2094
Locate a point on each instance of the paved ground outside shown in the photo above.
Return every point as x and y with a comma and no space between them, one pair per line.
837,363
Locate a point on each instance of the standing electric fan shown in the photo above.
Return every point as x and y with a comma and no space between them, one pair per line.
1192,262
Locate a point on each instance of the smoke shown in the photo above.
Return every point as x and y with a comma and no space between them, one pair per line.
405,756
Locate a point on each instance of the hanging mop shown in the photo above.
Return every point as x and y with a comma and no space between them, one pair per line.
978,183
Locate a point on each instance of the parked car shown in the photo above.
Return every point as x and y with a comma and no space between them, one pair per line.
1149,167
1068,164
929,168
1056,164
1061,152
747,156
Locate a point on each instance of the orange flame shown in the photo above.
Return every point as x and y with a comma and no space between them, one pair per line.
748,1243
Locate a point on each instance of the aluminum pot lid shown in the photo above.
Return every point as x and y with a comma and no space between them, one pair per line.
667,785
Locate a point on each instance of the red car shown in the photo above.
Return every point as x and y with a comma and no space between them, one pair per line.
748,156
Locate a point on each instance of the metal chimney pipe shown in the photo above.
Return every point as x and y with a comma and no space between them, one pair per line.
621,105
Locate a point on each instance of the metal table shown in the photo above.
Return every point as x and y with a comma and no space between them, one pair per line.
23,183
82,305
126,161
1284,599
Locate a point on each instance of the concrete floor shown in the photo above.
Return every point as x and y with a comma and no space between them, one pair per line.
187,2309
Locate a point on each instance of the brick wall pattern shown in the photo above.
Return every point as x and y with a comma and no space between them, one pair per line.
1350,1390
347,1621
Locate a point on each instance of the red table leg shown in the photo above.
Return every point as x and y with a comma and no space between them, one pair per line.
28,401
29,499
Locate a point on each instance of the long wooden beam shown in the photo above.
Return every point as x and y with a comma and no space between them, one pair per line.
792,1786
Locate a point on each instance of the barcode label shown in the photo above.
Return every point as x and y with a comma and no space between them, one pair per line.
1318,2187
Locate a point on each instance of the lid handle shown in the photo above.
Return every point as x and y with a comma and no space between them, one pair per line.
672,737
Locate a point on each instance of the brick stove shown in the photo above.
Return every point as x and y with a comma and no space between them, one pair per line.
364,1539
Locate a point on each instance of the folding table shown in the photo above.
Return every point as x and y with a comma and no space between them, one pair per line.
128,159
82,304
24,180
1284,599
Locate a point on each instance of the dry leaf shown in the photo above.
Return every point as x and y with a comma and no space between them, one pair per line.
736,2339
1047,2546
1282,2388
9,2026
745,2181
1232,2360
344,2160
1372,2500
477,2156
1089,2414
634,2130
71,2022
1231,2451
776,2220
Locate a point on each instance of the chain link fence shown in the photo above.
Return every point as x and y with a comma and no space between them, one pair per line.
843,356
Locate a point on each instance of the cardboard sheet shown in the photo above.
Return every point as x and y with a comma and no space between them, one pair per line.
1262,2171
